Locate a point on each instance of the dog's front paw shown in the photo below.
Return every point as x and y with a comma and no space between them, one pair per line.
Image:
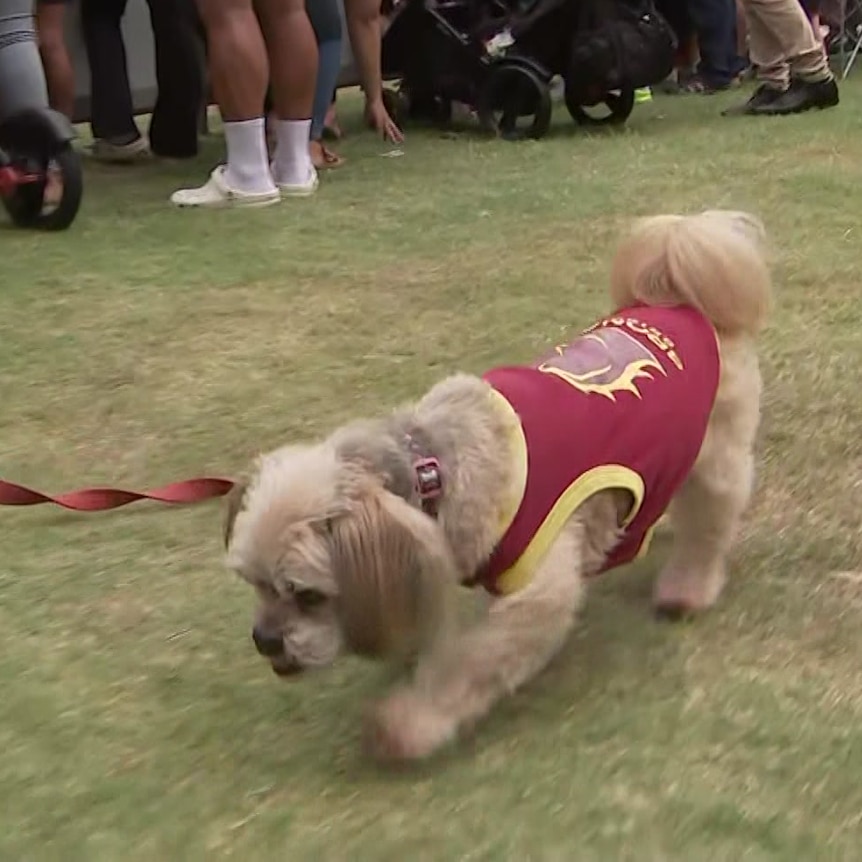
680,593
405,727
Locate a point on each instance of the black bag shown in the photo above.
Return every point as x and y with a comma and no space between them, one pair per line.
619,45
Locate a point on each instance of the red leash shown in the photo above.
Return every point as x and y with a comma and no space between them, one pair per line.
101,499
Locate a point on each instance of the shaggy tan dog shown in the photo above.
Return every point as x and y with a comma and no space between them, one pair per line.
357,543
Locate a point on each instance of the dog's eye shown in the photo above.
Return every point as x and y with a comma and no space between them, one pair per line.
306,599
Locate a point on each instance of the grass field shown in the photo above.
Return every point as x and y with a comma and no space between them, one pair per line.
147,345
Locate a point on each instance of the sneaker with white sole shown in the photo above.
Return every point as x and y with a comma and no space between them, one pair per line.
300,190
215,193
107,151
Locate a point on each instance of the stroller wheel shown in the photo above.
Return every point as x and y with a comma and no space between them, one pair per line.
40,173
515,103
618,106
29,178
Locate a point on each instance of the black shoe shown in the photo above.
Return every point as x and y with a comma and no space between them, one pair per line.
764,95
803,96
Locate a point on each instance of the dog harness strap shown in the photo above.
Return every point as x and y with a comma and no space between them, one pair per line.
102,499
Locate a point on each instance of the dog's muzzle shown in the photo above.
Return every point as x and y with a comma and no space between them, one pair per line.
271,646
267,644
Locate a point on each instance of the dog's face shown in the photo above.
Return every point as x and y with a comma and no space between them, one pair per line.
337,560
278,540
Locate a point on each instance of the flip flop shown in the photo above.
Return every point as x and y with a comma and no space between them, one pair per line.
329,160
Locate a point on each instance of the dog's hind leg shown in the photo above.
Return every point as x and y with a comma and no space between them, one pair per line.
459,681
706,512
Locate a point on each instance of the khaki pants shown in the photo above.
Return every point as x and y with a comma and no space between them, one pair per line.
781,43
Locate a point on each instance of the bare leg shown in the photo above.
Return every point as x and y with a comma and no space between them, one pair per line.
59,77
59,74
327,76
460,681
292,51
239,72
293,57
330,122
237,58
706,512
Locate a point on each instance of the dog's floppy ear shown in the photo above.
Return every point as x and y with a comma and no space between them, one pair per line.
234,503
395,575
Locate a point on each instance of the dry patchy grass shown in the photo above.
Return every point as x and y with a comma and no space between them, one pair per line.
146,345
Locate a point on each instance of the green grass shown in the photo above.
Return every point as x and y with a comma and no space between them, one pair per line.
147,345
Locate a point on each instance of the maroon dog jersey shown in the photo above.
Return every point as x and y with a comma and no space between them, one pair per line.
624,406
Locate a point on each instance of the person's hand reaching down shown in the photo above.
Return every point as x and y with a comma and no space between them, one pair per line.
377,117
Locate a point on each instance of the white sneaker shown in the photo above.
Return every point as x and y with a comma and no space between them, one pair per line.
120,154
215,193
300,190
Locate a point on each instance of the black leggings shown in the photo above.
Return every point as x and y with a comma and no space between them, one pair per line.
179,74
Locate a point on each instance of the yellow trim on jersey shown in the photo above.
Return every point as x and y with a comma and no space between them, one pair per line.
517,459
603,478
645,544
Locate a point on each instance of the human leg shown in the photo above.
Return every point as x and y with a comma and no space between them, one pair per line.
112,116
328,68
239,71
715,24
812,84
59,74
677,15
783,27
293,57
179,78
325,20
767,55
331,128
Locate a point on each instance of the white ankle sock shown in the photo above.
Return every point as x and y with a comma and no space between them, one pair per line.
247,160
292,162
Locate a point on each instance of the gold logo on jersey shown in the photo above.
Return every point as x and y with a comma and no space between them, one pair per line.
605,360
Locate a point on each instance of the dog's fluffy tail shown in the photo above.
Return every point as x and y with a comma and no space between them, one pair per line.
714,261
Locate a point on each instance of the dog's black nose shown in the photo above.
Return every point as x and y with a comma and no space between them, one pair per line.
267,643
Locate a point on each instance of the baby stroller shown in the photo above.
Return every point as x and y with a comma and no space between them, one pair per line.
35,141
500,56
